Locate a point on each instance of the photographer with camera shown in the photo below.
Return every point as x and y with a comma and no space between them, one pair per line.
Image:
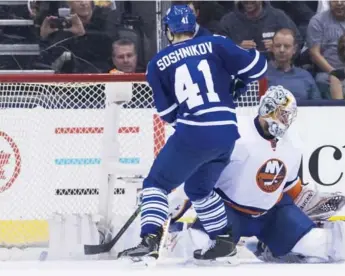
80,36
70,23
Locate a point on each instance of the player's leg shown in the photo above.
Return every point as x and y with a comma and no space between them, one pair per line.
207,203
285,225
210,208
175,163
186,241
291,236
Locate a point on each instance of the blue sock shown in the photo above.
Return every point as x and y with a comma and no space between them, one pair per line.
211,212
154,210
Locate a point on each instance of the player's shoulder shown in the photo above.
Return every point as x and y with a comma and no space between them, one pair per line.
158,56
293,139
215,39
226,42
173,47
152,65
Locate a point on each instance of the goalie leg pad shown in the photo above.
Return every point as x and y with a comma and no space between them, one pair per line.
337,245
182,244
330,245
68,234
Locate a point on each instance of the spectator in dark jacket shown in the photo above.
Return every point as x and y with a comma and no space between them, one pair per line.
253,24
209,15
299,11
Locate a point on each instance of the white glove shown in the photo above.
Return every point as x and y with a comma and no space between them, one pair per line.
69,233
178,203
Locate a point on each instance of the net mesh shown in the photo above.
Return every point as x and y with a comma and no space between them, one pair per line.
50,150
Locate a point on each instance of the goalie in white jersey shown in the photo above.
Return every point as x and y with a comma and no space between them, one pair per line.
261,182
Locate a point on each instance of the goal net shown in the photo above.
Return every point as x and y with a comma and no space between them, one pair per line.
59,142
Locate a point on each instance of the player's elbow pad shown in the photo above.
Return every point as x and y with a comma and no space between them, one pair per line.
169,118
257,71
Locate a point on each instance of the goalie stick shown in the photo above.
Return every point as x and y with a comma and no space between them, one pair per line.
106,247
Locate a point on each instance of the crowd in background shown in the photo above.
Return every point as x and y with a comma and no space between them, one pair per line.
304,41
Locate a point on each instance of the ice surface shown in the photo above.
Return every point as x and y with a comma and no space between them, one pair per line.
165,268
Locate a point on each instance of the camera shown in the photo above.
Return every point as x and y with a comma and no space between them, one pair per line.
63,21
60,23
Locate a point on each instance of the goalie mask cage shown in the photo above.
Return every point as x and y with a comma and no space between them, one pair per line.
62,137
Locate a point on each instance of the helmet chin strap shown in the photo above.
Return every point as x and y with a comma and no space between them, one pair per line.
167,36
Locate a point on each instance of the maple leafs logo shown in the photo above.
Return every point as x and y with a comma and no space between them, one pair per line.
4,160
10,162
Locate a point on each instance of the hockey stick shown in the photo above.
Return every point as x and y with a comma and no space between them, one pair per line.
106,247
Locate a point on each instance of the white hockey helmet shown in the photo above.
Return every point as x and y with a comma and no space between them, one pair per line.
278,108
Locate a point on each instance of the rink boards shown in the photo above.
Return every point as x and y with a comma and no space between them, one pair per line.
37,231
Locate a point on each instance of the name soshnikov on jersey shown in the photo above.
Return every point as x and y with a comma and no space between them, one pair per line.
177,55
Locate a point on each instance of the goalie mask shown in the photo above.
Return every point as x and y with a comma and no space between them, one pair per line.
279,109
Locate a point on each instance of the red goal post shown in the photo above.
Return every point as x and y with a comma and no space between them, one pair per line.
60,141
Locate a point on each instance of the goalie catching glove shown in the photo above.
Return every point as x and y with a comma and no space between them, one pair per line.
319,206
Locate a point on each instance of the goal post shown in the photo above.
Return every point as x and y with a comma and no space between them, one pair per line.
77,144
42,115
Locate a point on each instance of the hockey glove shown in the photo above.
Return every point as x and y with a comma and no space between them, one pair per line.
319,206
239,89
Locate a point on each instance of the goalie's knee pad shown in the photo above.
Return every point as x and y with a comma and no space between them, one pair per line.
68,235
327,244
182,244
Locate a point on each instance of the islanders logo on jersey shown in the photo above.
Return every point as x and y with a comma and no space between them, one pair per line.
271,175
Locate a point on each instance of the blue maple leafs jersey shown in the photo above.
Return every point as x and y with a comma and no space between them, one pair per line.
192,82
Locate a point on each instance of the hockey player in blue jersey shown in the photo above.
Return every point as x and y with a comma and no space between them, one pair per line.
193,82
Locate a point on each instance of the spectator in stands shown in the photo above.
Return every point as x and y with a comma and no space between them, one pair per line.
124,56
324,31
323,5
299,11
87,34
281,70
209,15
253,24
195,6
337,76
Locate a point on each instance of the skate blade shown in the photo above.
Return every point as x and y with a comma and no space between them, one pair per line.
223,261
145,261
